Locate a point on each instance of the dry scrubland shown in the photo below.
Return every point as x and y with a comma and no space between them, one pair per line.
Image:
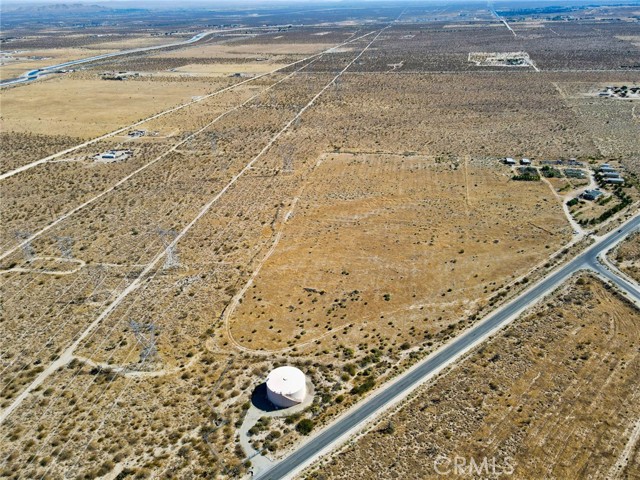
372,238
627,256
120,232
612,123
76,177
88,108
176,410
440,46
556,393
22,148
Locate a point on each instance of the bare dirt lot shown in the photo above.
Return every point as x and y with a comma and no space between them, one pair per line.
555,395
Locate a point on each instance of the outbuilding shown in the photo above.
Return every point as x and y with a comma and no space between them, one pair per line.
591,194
614,181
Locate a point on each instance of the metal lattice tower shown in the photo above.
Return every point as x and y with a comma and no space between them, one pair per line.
65,244
287,159
188,140
287,164
145,334
97,276
214,142
172,260
27,249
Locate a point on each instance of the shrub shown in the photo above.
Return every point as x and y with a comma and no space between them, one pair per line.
305,426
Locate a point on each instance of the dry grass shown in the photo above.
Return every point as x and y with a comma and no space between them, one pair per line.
553,395
411,193
249,51
372,237
88,108
225,69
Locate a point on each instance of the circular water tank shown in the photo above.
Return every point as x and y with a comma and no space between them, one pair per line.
286,387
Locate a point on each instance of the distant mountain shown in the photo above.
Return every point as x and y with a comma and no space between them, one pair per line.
58,8
73,6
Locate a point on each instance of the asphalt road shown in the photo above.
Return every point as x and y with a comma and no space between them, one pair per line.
35,74
345,425
622,283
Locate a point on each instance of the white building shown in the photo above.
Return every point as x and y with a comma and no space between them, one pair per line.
111,156
286,387
615,181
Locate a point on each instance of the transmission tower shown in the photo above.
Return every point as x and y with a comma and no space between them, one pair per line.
214,143
188,140
97,276
27,249
65,244
287,159
287,164
172,260
145,334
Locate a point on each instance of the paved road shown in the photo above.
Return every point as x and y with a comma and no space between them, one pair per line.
399,388
622,283
40,72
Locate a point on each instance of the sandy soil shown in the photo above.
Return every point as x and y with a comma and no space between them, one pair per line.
358,243
231,51
88,108
225,69
555,396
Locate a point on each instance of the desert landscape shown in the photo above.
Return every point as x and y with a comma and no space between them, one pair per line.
215,194
557,385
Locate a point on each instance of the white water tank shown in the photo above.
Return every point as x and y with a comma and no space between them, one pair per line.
286,387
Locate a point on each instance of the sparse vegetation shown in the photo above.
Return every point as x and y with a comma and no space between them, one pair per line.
373,229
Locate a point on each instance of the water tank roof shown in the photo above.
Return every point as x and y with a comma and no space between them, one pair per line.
286,380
